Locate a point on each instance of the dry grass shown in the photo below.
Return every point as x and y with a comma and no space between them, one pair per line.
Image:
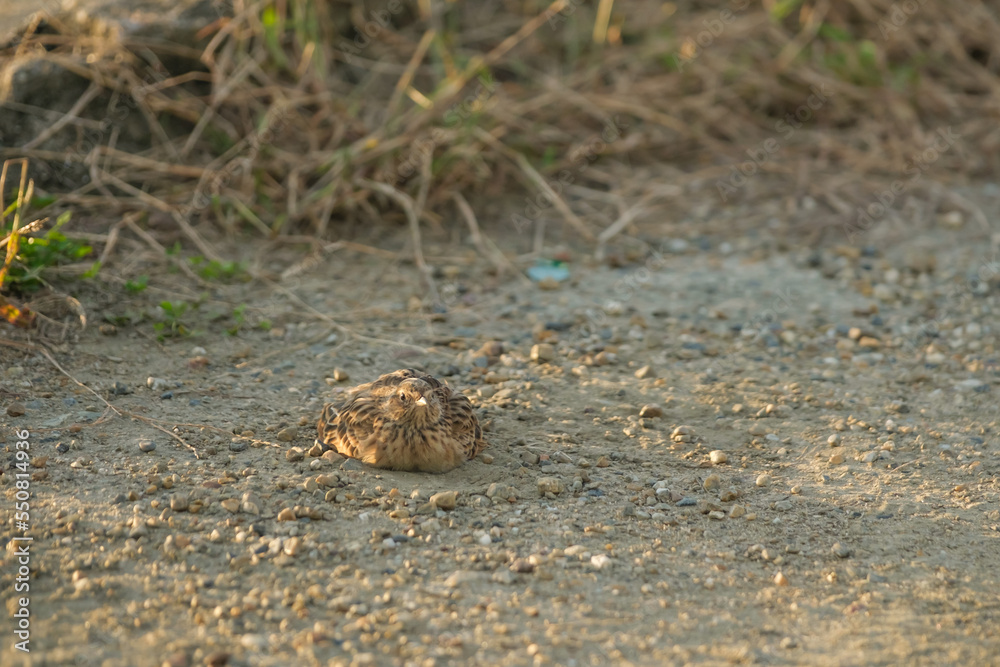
273,119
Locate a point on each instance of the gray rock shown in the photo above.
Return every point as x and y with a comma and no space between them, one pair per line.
352,464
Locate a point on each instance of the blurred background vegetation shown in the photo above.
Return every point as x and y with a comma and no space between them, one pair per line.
517,123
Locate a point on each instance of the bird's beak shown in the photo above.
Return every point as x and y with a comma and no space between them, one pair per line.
422,401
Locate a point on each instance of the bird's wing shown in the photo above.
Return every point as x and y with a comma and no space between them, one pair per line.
351,429
463,422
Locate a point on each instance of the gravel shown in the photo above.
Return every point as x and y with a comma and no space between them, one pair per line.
618,511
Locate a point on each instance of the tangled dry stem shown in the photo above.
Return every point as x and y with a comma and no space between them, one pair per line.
312,133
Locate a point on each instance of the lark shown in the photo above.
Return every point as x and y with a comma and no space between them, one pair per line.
406,420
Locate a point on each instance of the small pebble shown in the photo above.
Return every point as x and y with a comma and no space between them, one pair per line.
156,384
604,358
217,659
840,551
505,577
179,502
600,561
147,446
530,458
836,459
445,500
198,362
644,372
543,352
15,409
340,375
780,579
717,456
552,485
502,491
250,504
651,411
288,434
461,578
972,384
231,505
294,454
763,480
327,480
522,566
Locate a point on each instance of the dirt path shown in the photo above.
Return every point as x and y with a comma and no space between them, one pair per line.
855,519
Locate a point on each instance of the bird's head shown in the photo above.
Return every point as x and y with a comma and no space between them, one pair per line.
414,400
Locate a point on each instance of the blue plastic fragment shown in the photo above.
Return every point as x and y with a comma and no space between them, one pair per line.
544,269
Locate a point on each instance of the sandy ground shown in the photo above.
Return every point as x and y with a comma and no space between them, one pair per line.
805,474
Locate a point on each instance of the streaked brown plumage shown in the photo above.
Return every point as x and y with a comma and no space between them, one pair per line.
406,420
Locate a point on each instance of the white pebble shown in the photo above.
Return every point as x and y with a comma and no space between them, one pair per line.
600,561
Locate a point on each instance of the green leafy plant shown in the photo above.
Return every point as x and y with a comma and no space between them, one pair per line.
129,317
93,270
783,8
241,322
37,253
851,59
273,25
137,285
172,324
216,270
